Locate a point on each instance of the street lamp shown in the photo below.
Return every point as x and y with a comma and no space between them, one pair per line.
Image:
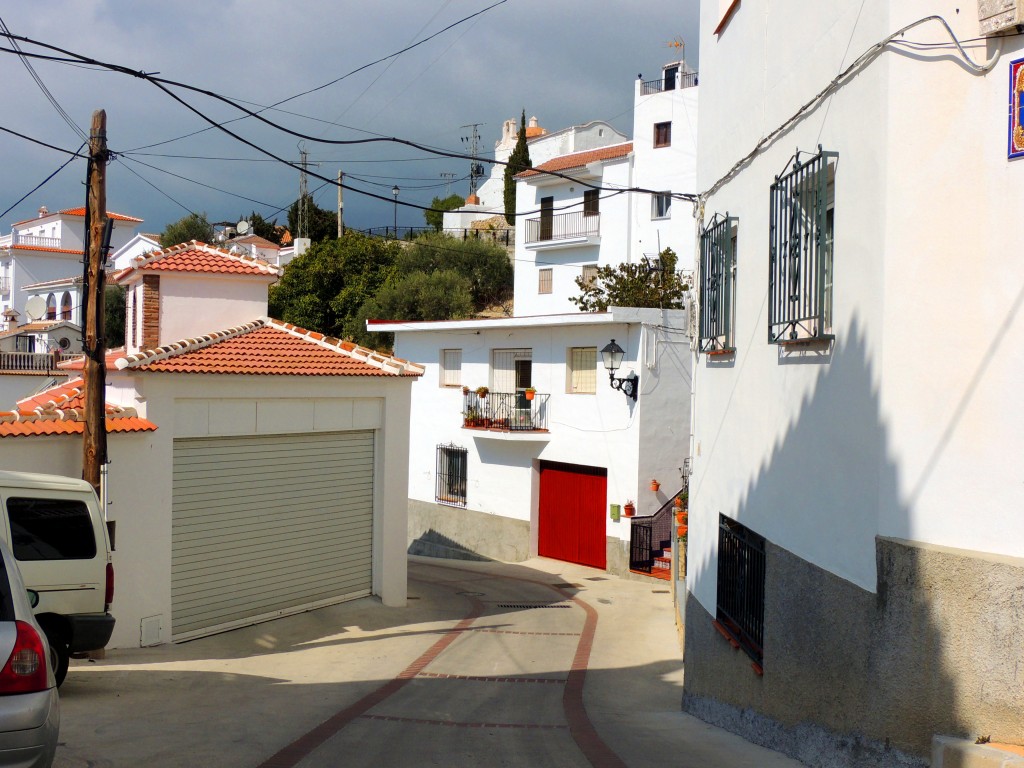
611,356
394,191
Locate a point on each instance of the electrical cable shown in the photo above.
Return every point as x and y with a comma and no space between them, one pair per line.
46,91
201,184
74,155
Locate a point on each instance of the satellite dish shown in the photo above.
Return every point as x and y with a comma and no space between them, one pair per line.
242,227
35,308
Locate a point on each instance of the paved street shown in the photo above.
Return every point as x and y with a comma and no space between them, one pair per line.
539,664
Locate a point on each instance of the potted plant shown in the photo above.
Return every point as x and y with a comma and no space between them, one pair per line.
529,392
655,485
471,416
482,391
629,509
465,390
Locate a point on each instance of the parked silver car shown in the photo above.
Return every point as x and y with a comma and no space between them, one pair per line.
29,706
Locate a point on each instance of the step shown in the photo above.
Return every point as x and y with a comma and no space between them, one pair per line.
657,573
663,563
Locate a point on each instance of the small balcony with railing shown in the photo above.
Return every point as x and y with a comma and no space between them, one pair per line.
506,415
670,81
563,230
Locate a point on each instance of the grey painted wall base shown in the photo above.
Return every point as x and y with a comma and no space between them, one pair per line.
441,531
868,679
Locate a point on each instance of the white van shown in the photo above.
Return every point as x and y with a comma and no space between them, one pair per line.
54,527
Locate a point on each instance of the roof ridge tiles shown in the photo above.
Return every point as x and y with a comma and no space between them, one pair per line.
144,260
386,363
185,345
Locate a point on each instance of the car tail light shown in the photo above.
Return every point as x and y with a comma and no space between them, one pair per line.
26,670
108,595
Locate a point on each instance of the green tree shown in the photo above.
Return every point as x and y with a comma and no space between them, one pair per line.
322,225
518,162
325,286
435,216
633,285
441,295
261,227
113,315
485,266
195,226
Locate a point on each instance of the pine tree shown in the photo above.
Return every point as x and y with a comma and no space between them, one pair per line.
518,162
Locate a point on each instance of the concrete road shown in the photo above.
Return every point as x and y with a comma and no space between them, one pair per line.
537,664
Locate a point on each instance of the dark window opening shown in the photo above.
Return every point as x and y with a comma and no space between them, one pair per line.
662,135
451,475
591,198
741,571
50,529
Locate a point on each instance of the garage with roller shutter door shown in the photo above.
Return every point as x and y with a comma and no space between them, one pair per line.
266,525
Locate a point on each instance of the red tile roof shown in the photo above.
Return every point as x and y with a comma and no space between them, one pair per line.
268,347
80,212
20,247
60,410
110,214
199,257
579,160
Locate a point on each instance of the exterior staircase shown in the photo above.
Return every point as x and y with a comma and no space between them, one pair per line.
650,545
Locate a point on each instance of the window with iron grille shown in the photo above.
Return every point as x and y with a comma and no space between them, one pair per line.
740,605
591,202
451,475
801,229
582,373
663,134
451,368
718,284
661,205
544,280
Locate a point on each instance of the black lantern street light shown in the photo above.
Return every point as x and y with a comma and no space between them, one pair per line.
611,356
394,191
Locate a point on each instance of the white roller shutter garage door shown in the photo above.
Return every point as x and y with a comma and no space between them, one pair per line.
268,525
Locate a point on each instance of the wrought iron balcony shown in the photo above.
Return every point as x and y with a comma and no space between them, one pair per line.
505,412
685,80
563,226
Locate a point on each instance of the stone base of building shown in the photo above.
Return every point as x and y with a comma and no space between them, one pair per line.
855,678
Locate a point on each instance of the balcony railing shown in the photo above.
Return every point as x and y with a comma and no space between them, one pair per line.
32,361
42,242
564,226
685,80
505,412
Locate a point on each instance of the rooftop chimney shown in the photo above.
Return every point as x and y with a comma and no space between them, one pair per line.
42,211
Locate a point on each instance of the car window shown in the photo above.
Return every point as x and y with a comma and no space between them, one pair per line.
6,601
50,529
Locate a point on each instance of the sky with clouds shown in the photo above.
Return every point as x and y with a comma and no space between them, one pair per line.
565,61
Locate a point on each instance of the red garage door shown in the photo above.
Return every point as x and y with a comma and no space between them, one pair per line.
572,504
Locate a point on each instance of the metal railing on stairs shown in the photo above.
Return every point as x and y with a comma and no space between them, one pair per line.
649,534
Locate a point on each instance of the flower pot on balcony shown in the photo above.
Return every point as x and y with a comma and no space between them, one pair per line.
530,393
629,509
680,517
655,485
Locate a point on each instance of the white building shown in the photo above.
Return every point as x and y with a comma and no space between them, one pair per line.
257,469
543,146
50,248
856,552
509,477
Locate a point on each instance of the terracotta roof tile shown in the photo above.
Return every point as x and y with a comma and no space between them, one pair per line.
110,214
19,247
60,410
268,347
579,159
199,257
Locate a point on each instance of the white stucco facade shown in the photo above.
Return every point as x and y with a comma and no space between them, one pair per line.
634,441
904,426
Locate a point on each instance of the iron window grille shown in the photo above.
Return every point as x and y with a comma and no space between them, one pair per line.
544,280
718,285
740,604
800,250
450,485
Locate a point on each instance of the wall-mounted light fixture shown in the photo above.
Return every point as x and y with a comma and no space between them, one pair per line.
611,356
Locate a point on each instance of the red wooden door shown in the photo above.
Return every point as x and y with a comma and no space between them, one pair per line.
571,518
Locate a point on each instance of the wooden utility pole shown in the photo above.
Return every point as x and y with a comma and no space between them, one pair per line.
94,454
341,207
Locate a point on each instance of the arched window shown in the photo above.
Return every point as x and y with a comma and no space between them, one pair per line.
65,306
51,307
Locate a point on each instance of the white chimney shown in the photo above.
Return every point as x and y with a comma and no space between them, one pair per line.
42,211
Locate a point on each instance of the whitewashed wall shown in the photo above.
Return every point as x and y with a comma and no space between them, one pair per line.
908,426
